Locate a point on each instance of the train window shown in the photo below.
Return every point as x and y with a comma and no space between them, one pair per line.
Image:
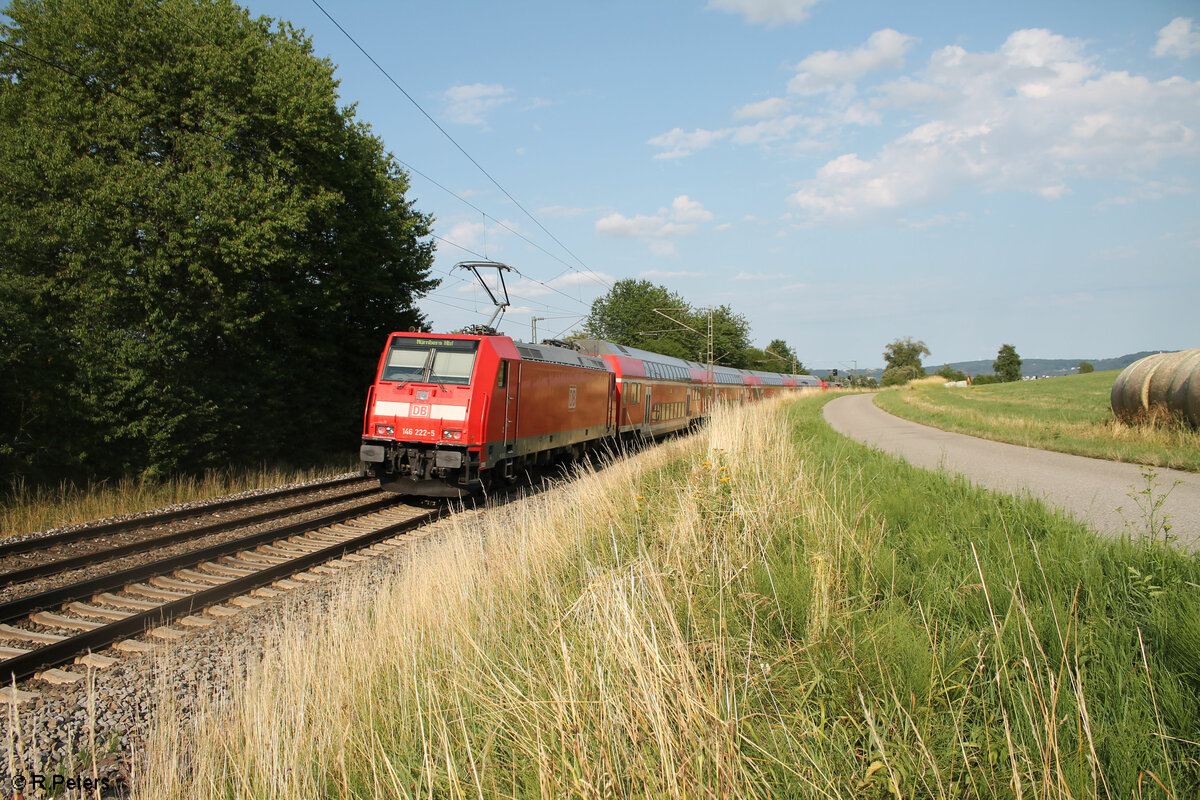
502,375
450,366
404,364
412,359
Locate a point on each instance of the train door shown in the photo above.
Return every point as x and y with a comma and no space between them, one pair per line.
646,408
512,402
612,394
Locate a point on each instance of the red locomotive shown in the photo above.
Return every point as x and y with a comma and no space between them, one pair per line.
447,412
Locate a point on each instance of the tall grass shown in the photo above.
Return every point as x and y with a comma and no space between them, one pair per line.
24,509
763,610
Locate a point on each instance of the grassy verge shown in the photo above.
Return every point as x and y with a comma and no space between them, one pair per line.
23,510
763,610
1069,414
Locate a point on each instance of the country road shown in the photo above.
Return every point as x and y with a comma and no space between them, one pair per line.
1090,489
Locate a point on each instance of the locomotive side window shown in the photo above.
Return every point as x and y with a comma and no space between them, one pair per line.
502,375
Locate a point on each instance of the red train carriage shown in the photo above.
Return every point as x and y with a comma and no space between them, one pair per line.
657,394
447,411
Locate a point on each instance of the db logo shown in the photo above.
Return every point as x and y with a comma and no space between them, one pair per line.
420,411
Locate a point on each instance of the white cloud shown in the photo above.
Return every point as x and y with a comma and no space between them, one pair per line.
684,209
1147,190
771,107
472,235
771,12
467,235
658,228
1031,116
641,226
529,289
467,104
829,69
820,72
1177,38
682,143
724,226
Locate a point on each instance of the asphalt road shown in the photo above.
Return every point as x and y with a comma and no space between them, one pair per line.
1088,488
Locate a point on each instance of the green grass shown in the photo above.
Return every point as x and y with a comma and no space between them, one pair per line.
765,610
1069,414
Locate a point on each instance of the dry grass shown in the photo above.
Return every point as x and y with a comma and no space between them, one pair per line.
24,510
931,380
722,616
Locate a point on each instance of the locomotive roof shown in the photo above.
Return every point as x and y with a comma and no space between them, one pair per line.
728,375
559,355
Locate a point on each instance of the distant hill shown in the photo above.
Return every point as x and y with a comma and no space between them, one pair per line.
1029,366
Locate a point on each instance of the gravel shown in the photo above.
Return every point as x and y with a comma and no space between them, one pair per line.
110,713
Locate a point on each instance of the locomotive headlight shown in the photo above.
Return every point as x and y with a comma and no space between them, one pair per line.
384,430
451,434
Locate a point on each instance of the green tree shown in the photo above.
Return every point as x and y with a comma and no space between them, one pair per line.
202,251
898,376
1085,367
786,361
1007,364
731,336
951,374
625,315
906,353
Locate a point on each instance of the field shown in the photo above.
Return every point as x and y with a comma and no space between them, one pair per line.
1069,414
764,609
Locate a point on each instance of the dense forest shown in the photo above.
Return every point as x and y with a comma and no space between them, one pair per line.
200,251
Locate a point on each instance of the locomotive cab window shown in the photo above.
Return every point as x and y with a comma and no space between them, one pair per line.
419,360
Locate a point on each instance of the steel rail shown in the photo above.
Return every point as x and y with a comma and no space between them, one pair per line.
63,564
15,609
25,545
27,664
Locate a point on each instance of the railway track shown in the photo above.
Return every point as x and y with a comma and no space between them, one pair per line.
56,556
41,631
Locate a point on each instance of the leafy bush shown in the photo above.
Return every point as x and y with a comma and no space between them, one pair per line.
898,376
1085,367
951,374
980,380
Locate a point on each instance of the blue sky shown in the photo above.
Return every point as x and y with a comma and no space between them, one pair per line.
841,173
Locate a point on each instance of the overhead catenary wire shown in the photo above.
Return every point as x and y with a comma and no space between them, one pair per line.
112,90
444,132
588,272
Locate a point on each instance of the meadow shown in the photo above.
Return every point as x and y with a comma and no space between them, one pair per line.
1069,414
763,609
